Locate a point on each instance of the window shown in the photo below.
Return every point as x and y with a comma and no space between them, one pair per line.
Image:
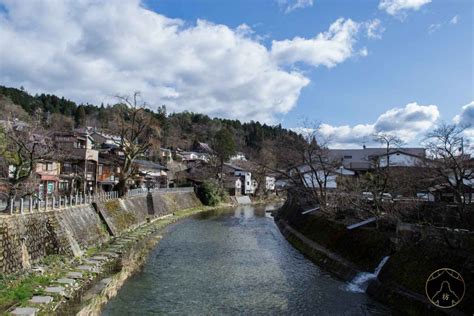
100,169
50,187
348,157
49,166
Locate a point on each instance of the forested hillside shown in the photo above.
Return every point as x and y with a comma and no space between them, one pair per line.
181,130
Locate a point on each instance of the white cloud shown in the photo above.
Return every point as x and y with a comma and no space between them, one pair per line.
89,51
374,29
399,7
363,52
454,20
436,26
466,117
409,123
328,49
291,5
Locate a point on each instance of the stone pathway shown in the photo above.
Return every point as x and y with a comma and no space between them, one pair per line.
38,299
87,267
25,311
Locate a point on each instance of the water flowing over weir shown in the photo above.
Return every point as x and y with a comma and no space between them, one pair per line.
234,261
360,282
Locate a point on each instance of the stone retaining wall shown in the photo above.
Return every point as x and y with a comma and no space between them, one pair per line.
415,252
27,238
124,214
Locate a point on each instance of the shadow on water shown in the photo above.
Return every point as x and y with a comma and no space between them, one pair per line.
234,261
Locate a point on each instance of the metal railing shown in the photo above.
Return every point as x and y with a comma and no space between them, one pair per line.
49,203
144,191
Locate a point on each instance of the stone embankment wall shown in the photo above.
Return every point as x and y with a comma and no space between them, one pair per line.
415,252
27,238
124,214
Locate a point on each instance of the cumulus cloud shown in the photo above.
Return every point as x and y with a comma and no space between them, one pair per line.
466,117
90,51
328,48
408,122
399,7
292,5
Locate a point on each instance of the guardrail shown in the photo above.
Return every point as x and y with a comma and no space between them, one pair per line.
32,205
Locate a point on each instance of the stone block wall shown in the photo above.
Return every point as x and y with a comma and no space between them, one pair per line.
123,214
27,238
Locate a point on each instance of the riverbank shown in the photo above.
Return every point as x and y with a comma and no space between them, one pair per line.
90,262
51,257
413,256
94,278
131,260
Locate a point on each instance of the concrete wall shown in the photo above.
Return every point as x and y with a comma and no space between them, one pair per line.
27,238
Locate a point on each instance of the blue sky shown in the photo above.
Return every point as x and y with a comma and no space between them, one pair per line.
409,63
277,61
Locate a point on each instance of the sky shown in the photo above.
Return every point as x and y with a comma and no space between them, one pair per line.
351,67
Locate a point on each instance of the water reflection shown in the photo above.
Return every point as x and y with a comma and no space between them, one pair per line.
234,261
245,212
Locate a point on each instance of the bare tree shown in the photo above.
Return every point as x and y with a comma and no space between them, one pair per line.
136,128
389,141
450,163
310,166
24,146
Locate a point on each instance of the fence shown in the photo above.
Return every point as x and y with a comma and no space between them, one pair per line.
144,191
31,204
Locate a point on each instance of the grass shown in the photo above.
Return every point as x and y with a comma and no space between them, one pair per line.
18,288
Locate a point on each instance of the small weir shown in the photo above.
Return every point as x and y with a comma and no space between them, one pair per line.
360,282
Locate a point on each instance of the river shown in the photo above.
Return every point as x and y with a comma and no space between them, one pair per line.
234,261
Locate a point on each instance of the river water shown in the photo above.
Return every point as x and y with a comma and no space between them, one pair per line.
234,261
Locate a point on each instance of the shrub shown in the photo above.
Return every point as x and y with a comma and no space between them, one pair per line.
208,193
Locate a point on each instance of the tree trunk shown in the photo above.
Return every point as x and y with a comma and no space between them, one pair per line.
122,186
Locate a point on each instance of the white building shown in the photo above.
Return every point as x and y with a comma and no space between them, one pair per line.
399,158
238,156
270,183
249,185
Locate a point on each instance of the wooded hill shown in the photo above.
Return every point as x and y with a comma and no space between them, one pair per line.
177,130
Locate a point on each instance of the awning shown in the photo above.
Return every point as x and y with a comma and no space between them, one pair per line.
45,177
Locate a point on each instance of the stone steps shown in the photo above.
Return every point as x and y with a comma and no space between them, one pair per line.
87,265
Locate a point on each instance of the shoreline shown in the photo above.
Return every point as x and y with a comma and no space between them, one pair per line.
136,257
385,289
132,261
